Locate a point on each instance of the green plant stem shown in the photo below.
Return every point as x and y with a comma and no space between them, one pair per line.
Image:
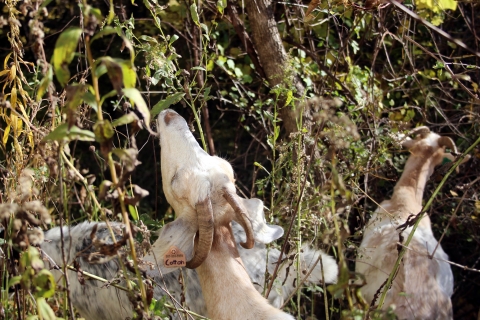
199,125
96,89
95,277
190,313
63,195
421,214
83,180
299,224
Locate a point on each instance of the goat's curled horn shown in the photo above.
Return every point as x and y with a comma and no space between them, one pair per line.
448,143
241,217
422,131
205,233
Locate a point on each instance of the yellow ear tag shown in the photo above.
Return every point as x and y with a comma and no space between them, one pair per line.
174,258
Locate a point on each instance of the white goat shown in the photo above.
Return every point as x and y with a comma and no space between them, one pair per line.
423,286
200,188
197,184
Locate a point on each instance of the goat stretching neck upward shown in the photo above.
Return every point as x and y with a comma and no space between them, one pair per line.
95,301
423,286
192,177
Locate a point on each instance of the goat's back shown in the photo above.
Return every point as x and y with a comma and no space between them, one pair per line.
422,287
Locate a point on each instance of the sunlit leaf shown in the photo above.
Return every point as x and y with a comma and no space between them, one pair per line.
173,38
5,134
133,212
44,83
141,106
437,5
129,74
64,53
221,5
45,310
44,283
194,13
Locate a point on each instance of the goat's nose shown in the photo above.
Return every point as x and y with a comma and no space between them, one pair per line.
169,116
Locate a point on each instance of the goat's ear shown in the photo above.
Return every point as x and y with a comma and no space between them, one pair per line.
262,232
179,233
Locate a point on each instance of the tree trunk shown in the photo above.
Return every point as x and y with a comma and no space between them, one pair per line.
274,59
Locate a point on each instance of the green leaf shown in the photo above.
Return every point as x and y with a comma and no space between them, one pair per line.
129,74
13,281
111,13
437,5
173,39
105,32
221,5
64,53
44,83
103,130
129,46
194,13
289,98
125,119
45,310
89,98
114,71
62,133
133,212
135,95
164,104
44,283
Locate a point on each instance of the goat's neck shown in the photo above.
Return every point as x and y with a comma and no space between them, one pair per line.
226,286
411,185
180,146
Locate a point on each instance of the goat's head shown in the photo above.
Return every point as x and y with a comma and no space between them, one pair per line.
430,145
201,189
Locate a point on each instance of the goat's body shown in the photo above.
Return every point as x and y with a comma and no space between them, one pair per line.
95,301
237,298
423,285
92,300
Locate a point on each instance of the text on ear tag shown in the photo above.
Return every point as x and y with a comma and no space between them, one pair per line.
174,258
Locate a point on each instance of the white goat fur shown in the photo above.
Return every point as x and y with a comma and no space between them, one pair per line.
423,286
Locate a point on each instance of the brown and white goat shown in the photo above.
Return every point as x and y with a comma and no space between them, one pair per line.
423,285
199,185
